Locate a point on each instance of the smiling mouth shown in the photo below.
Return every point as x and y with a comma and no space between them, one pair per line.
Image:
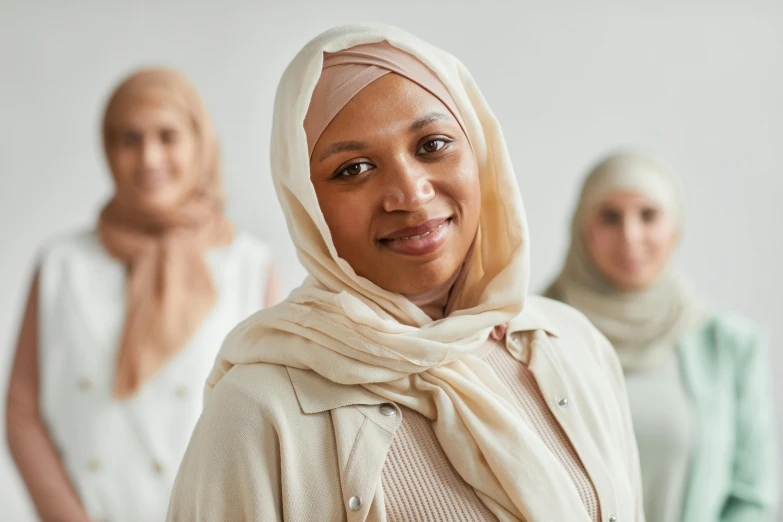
420,236
421,240
152,180
418,231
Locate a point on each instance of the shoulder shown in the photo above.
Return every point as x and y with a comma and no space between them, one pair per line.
256,398
68,246
250,247
737,328
240,425
251,393
242,266
578,339
567,323
741,337
585,355
75,253
235,459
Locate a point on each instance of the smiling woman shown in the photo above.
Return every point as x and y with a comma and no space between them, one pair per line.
410,377
122,323
400,190
697,379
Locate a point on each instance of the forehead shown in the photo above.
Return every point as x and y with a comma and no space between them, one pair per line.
625,199
142,114
386,105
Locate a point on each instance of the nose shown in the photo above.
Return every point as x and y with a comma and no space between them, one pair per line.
632,230
151,154
408,187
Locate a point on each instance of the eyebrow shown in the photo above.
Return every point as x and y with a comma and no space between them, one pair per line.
342,146
345,146
427,119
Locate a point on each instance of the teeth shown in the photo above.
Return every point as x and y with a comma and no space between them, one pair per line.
419,236
425,234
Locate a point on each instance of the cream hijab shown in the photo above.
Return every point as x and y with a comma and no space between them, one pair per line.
349,330
643,326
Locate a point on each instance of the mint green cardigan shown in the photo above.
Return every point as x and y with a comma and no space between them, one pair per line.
734,467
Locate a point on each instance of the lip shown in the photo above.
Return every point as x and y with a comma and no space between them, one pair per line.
631,264
152,180
425,227
419,240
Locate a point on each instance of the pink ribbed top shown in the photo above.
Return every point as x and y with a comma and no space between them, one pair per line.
419,482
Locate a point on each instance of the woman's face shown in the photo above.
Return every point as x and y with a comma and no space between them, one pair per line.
152,153
398,185
630,239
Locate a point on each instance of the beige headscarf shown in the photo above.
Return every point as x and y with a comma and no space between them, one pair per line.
345,73
644,326
349,330
169,286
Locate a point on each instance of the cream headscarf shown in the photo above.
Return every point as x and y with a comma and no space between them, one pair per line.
349,330
643,326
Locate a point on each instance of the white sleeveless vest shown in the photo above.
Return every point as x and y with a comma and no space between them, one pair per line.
122,456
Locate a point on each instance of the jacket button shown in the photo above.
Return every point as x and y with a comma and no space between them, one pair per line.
387,410
563,402
355,503
612,518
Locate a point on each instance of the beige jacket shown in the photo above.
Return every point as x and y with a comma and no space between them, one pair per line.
279,443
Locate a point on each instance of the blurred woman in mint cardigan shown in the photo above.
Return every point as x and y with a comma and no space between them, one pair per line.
697,379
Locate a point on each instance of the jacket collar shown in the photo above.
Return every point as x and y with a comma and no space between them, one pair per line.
317,394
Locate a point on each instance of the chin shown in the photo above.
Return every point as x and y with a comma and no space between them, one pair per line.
633,284
426,277
159,203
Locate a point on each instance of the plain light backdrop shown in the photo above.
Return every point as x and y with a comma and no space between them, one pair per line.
697,82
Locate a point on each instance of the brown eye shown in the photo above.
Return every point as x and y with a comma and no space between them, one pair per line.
130,139
428,147
649,214
354,169
609,217
169,136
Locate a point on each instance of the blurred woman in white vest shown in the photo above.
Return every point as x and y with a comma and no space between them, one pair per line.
123,322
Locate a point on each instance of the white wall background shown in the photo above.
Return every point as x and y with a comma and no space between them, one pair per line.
699,83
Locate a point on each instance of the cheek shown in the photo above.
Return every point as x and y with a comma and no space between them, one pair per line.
461,185
124,163
182,158
348,217
661,239
601,242
473,199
